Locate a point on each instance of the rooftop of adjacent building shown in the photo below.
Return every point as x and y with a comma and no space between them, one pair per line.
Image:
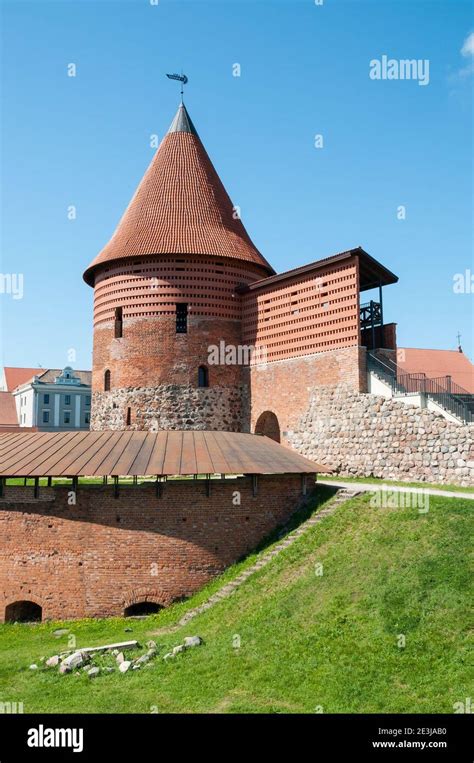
13,376
16,379
437,363
371,272
8,414
64,376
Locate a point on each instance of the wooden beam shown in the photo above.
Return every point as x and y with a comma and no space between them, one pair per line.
254,485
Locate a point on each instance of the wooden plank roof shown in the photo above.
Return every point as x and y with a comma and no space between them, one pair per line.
130,453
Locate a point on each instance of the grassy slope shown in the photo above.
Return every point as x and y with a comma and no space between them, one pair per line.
306,641
398,483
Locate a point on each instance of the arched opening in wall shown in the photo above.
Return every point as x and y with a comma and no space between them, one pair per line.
23,612
267,425
142,608
107,381
203,376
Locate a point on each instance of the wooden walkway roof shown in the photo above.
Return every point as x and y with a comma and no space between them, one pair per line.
129,453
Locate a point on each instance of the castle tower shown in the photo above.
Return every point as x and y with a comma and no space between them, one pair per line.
165,292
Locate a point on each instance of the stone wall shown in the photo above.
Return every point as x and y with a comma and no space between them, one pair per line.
367,435
285,387
171,406
97,557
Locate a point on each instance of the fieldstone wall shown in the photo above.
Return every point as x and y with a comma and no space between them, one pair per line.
370,436
170,406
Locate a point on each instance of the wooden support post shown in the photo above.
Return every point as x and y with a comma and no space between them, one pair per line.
254,485
2,487
36,488
158,488
381,310
116,487
304,484
208,485
50,481
75,484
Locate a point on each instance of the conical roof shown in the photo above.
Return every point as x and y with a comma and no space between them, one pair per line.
179,207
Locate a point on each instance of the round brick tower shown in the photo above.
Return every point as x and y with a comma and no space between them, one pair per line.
165,294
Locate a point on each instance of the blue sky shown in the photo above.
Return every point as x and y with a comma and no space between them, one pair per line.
85,141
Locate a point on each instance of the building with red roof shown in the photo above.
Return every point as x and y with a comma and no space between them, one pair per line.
438,364
8,414
12,377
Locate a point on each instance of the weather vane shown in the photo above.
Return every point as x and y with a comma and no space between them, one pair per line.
181,78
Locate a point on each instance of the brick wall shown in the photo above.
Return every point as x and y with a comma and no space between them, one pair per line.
152,353
285,387
385,337
304,313
103,554
154,372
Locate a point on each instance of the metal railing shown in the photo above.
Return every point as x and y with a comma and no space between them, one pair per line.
441,390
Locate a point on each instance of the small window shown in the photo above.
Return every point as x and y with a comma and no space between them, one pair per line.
88,399
107,381
181,318
129,416
46,399
203,376
45,417
67,399
118,322
67,417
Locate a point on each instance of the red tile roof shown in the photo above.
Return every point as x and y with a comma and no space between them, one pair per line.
8,414
180,207
16,376
435,363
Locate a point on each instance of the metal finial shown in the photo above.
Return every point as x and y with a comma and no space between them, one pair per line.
181,78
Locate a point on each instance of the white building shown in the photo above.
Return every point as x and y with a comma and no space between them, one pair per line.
55,400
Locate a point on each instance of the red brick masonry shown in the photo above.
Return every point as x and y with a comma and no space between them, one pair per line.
97,557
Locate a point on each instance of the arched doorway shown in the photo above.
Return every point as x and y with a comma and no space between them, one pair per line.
267,425
141,608
23,612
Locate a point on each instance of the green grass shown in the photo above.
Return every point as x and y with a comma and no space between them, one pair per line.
307,641
398,483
